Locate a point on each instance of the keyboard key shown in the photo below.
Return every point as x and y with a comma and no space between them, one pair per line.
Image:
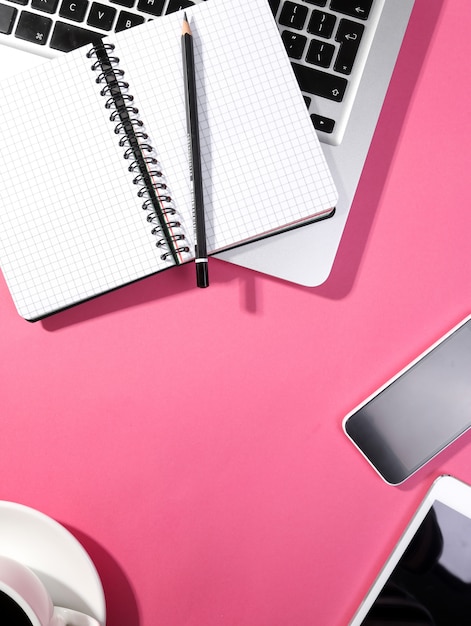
67,37
294,44
319,3
7,18
320,53
74,10
124,3
321,24
153,7
48,6
293,15
320,83
274,5
23,2
177,5
33,28
354,8
128,20
349,36
323,123
101,16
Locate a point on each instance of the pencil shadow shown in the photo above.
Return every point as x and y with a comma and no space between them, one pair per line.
422,24
121,604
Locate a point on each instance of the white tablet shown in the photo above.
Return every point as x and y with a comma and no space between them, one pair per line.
426,581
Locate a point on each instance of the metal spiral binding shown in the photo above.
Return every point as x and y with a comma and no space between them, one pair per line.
158,205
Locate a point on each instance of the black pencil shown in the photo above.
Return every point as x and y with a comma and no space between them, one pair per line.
201,257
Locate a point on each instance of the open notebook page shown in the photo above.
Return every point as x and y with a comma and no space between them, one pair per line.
262,163
71,221
72,225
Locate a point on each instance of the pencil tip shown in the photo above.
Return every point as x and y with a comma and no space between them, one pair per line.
186,25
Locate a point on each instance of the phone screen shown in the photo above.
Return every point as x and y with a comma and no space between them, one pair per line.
420,412
431,584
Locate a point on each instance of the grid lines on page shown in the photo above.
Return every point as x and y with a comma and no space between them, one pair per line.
257,141
72,226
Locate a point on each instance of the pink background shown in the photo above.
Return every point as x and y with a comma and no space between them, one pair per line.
192,439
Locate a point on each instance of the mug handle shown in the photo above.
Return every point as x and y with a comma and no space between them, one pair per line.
69,617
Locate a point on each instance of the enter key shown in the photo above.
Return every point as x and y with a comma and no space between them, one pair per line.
348,35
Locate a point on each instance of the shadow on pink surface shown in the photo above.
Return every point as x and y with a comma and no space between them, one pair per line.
121,605
424,19
153,288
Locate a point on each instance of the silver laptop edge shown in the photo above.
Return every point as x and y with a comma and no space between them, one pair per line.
306,255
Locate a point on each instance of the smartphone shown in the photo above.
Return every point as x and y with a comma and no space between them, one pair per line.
420,411
426,581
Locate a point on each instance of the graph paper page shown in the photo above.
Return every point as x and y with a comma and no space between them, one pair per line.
263,167
72,225
71,222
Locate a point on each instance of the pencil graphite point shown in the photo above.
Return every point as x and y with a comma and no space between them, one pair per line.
186,26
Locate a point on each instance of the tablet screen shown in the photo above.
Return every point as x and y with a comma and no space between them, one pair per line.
431,584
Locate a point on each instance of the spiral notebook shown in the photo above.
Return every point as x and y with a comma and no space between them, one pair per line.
96,189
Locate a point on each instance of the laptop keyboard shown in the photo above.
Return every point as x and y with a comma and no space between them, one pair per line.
327,40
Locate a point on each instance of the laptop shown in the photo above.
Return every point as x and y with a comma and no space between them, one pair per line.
343,54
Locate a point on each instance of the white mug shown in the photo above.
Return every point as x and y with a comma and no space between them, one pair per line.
26,602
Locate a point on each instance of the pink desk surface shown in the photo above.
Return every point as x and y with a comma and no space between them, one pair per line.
192,439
